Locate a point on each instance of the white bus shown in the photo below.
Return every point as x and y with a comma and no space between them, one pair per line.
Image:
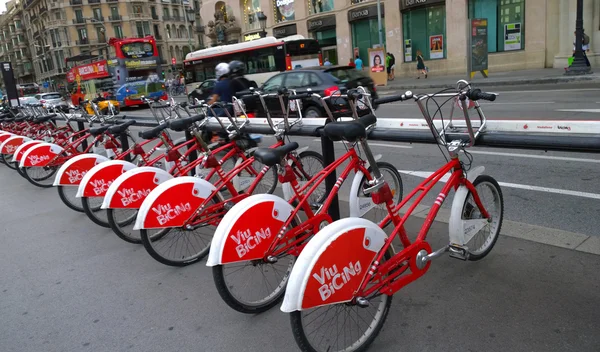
263,58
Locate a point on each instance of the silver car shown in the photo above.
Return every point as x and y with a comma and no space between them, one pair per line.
52,99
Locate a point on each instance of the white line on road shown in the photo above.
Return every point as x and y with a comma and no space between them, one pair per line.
521,103
378,144
536,156
578,110
425,174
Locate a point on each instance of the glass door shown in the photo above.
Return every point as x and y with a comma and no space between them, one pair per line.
330,53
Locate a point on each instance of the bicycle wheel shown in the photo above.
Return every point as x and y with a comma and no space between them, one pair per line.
20,171
378,212
337,327
180,246
7,159
266,184
310,164
121,221
67,195
40,176
247,281
91,207
490,195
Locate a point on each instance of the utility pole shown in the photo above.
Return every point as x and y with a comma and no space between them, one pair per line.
379,23
579,66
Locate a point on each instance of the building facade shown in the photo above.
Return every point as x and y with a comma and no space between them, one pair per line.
14,46
54,30
522,34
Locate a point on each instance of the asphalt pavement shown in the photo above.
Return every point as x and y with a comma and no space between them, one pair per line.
68,285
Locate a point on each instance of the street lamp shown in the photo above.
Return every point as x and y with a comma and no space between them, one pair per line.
262,19
189,17
579,66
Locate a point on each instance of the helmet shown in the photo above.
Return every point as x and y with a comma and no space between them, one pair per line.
237,68
222,69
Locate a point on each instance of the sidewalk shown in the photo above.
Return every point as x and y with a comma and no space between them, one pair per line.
536,76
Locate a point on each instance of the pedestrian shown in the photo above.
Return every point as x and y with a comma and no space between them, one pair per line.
392,66
351,63
327,62
358,63
585,46
421,64
388,66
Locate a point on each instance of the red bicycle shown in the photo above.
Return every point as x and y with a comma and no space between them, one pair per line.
341,287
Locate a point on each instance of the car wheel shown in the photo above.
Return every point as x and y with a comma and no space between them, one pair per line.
313,112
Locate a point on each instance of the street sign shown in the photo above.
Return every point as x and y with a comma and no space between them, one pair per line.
173,61
477,50
46,84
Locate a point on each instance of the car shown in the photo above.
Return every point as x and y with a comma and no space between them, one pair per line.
52,99
203,91
323,80
130,94
28,100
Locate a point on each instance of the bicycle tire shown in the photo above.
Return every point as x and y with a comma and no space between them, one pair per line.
19,170
6,159
312,154
92,212
65,199
305,345
149,243
37,181
224,288
474,256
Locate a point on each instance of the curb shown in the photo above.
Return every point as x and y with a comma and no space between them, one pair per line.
533,233
549,80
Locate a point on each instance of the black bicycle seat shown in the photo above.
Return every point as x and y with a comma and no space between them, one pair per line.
349,130
96,131
44,118
273,156
182,124
120,128
154,132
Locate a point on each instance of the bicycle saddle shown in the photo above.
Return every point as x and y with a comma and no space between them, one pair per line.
154,132
20,119
273,156
349,130
120,128
96,131
180,125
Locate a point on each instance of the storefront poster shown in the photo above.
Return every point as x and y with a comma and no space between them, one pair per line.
408,50
377,60
436,47
512,36
479,41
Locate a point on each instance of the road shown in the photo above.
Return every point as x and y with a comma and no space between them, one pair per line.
575,101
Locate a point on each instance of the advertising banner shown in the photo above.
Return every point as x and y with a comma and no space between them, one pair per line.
436,46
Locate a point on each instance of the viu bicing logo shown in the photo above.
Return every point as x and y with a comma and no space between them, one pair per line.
333,280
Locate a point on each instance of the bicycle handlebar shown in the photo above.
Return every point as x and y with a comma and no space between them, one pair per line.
477,94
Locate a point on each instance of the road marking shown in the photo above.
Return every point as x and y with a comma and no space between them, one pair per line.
535,156
545,91
578,110
425,174
521,103
376,144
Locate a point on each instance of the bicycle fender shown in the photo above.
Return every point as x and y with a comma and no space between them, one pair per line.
248,229
5,136
96,181
173,202
359,206
333,264
40,155
72,172
10,145
241,183
23,148
461,231
129,190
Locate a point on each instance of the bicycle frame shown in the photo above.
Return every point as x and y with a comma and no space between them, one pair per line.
390,282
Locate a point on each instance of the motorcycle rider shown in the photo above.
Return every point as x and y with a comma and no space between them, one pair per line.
222,91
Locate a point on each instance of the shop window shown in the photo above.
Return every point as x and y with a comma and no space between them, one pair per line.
284,10
506,22
425,30
365,34
251,9
318,6
326,37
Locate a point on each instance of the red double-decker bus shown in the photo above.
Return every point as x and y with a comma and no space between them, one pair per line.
132,71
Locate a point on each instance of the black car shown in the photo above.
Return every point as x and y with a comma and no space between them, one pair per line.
323,80
203,91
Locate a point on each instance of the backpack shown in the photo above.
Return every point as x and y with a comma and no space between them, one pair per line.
586,39
392,60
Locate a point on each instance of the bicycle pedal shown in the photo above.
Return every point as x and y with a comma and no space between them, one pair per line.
458,252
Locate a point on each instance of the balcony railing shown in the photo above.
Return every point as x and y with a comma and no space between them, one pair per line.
43,10
78,21
115,18
166,18
54,23
158,37
76,2
138,15
93,1
112,0
176,18
83,41
99,18
199,28
155,16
